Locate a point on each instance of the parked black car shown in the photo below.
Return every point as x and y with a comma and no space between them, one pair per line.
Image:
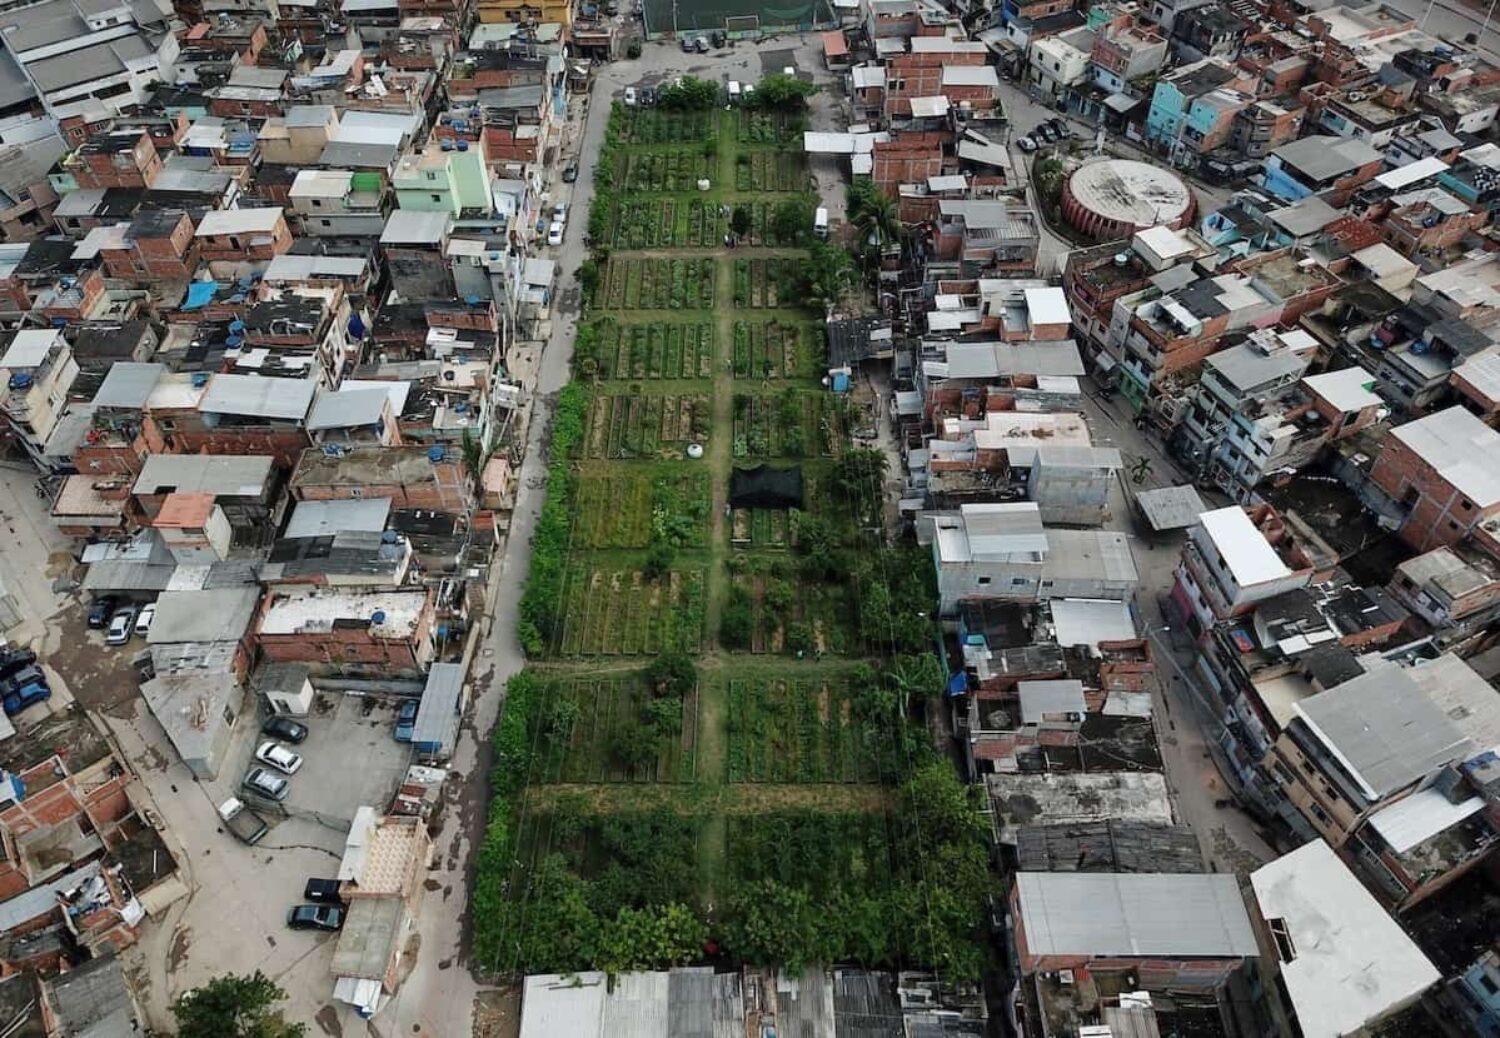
720,38
570,173
315,917
15,661
102,609
323,891
285,729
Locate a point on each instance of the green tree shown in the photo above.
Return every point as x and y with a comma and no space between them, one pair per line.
768,924
740,220
689,94
827,274
672,675
875,215
792,219
860,473
783,93
474,454
234,1007
737,624
650,938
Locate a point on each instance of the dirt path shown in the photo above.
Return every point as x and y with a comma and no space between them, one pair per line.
715,802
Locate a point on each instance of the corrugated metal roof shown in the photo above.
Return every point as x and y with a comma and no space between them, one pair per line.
326,518
128,385
437,717
238,221
1383,729
230,475
1135,915
346,408
1042,699
1089,621
411,227
1461,448
1171,508
251,395
1004,529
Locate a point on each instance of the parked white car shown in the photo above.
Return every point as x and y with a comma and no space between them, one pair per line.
279,757
560,213
144,618
555,233
630,97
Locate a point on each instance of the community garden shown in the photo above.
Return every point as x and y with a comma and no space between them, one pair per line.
710,752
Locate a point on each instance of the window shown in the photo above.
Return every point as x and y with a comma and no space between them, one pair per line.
317,203
1018,582
1466,505
1489,985
983,581
436,198
1452,525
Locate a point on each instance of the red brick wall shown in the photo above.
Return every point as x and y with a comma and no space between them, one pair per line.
284,446
1437,515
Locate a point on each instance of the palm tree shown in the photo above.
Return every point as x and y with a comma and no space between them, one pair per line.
1140,469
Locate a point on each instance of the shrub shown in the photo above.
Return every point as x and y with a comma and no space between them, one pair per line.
737,625
633,49
541,602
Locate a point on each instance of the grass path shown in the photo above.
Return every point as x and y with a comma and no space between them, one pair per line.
718,801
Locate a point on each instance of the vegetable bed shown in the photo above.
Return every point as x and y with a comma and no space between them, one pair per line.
621,612
656,284
775,349
645,425
619,509
791,424
802,730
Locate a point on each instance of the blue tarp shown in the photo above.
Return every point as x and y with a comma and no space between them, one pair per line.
958,684
200,294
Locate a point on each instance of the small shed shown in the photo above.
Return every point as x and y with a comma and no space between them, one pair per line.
442,707
1170,508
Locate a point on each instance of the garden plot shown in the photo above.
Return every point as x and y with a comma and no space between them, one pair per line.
621,509
798,730
770,171
656,284
664,222
658,126
819,851
630,859
794,423
776,349
759,283
762,528
655,350
645,425
623,612
789,614
652,172
752,127
610,729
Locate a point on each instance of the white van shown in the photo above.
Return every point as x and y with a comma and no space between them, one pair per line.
820,223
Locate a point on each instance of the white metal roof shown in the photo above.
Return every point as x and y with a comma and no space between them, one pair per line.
1043,699
1421,816
1412,172
326,518
1089,621
970,75
1004,528
1047,306
929,107
1347,962
1246,551
1461,448
29,348
1347,389
238,221
1134,915
283,398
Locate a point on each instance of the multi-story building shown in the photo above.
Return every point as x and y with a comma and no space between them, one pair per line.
1372,765
1322,925
1159,336
450,177
1262,127
38,369
1193,108
1002,552
1455,588
1059,64
339,203
379,632
1440,470
1328,166
1209,31
1232,561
